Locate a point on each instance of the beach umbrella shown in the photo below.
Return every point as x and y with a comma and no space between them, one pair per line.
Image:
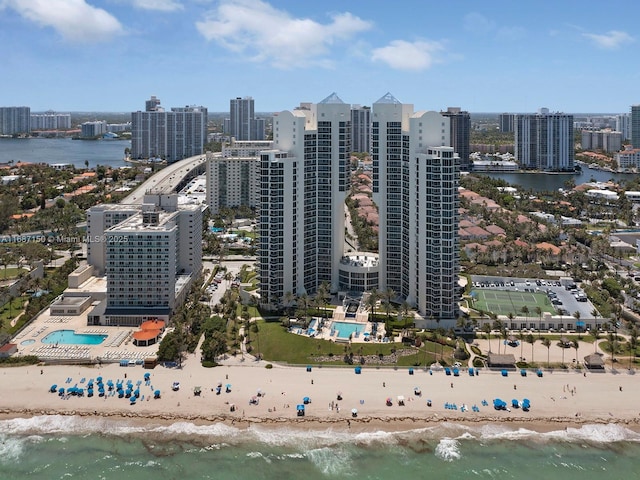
53,388
136,392
61,392
147,375
354,412
228,387
156,394
133,400
99,379
306,400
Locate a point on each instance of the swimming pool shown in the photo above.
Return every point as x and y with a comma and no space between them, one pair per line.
345,329
69,337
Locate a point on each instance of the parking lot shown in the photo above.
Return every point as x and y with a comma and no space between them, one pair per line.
565,296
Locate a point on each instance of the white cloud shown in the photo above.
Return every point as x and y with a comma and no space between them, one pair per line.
403,55
255,28
73,19
611,40
160,5
476,22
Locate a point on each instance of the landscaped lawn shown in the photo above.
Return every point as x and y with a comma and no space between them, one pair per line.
6,273
276,344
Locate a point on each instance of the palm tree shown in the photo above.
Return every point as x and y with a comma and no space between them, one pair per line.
547,343
372,302
288,299
525,311
538,311
521,338
595,333
531,339
486,328
576,315
576,344
405,312
388,295
633,343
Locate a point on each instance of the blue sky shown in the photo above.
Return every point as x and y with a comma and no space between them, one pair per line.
484,56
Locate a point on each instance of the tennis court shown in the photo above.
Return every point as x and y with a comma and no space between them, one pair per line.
503,302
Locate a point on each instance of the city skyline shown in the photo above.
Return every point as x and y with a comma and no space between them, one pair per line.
107,55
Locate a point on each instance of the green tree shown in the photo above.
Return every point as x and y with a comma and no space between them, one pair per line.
547,343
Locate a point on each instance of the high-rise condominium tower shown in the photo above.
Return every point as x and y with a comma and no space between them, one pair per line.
242,123
635,125
173,136
304,182
544,141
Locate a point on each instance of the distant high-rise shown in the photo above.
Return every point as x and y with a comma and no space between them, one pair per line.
93,129
360,129
460,134
635,125
623,126
15,120
50,121
507,122
152,105
173,136
544,141
242,124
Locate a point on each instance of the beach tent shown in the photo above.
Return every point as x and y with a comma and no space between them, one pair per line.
447,370
416,391
526,404
523,372
456,372
515,403
354,412
358,370
300,410
306,400
400,400
411,371
472,372
156,394
308,368
499,404
505,373
539,373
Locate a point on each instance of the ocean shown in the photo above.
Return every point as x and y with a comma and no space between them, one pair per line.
64,150
68,447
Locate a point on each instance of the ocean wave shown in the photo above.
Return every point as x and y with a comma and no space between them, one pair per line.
448,449
310,437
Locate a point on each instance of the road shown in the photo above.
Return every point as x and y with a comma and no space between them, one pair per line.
166,179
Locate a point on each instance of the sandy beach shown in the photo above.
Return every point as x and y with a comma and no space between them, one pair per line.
568,397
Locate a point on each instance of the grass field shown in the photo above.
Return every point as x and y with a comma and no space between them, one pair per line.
503,302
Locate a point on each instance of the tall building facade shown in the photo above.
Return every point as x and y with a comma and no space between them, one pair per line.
544,141
233,175
15,120
304,181
242,123
303,185
150,253
634,121
460,125
172,136
415,185
605,140
93,129
360,129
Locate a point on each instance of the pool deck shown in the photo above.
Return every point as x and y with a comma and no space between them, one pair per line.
329,333
116,347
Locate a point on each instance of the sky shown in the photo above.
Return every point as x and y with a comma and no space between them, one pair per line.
484,56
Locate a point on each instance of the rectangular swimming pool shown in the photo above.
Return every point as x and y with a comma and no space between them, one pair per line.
345,329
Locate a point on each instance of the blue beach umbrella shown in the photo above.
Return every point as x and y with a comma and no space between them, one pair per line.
53,388
156,394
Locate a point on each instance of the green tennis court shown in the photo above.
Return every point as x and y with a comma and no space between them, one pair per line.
503,302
